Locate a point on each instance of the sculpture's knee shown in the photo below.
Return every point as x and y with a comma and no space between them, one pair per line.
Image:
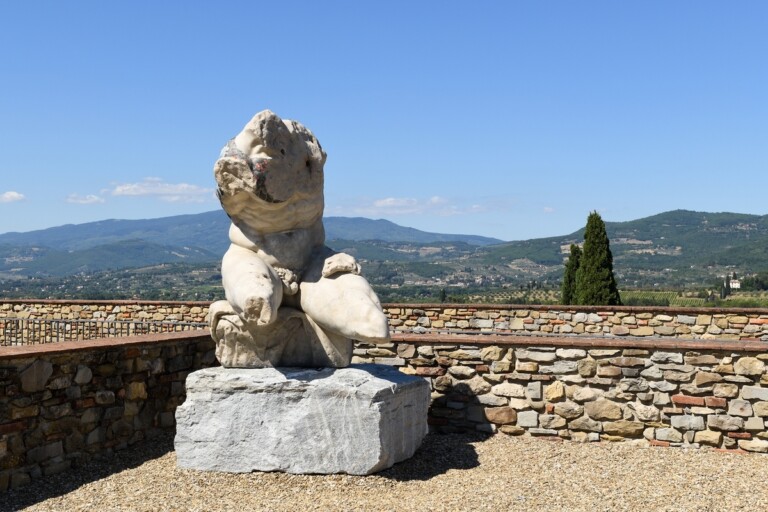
372,328
259,309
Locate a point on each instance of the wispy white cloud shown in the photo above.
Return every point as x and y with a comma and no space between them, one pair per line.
11,197
549,209
435,206
88,199
396,203
157,187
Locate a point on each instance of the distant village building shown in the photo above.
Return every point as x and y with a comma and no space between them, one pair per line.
735,284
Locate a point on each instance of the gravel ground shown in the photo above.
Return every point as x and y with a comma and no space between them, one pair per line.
450,472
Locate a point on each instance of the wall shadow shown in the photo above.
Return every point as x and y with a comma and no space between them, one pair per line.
95,469
438,454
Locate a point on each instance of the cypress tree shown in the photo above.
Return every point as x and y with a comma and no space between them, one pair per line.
595,282
569,276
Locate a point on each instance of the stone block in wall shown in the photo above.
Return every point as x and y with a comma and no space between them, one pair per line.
492,400
625,361
509,389
749,366
585,423
725,390
462,372
649,413
571,353
677,376
554,392
607,370
519,404
586,367
642,331
725,423
523,366
740,408
667,357
703,378
754,393
624,428
583,394
603,409
708,437
528,419
35,376
551,421
560,367
535,355
716,402
754,424
533,390
492,353
501,415
669,435
569,410
754,445
542,431
688,422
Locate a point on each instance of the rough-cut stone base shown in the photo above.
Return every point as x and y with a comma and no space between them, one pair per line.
356,420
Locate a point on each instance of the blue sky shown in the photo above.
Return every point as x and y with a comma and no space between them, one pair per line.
505,119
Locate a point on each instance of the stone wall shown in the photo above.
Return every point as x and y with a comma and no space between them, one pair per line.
656,391
63,403
157,311
672,380
618,321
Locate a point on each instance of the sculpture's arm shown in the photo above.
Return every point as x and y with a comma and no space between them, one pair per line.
340,262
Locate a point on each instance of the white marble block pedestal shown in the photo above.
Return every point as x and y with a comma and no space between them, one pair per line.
356,420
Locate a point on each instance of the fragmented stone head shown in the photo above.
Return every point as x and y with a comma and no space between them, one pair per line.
271,161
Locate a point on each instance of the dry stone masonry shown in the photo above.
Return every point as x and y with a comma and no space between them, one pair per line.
643,322
63,404
639,322
665,397
105,310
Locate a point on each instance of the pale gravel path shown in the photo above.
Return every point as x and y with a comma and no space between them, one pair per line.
449,473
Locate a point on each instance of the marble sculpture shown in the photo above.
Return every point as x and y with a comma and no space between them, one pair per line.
291,301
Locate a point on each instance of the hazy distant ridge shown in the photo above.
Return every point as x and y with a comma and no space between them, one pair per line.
114,244
210,230
679,241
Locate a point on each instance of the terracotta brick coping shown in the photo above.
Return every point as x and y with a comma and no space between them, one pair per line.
65,347
582,342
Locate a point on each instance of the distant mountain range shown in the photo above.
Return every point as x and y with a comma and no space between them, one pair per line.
669,247
115,244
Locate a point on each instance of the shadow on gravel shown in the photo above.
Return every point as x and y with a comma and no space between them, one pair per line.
437,454
57,485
